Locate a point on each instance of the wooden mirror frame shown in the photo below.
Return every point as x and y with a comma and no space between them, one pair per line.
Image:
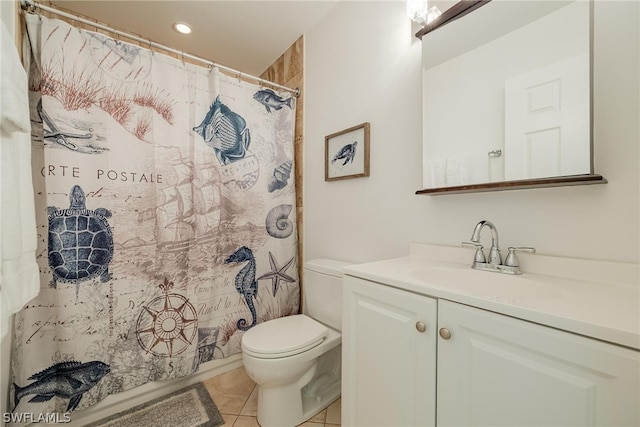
457,11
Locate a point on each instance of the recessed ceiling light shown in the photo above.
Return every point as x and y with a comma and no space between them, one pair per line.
182,28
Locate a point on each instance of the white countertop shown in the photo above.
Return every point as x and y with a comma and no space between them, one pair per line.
598,299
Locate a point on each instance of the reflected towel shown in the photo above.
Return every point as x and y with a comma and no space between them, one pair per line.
454,173
466,170
19,274
475,169
434,173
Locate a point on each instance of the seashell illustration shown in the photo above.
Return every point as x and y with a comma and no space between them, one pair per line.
281,176
278,223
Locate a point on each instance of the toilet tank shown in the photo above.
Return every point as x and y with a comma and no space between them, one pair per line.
322,290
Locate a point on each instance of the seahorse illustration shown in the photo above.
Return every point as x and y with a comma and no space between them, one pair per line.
246,283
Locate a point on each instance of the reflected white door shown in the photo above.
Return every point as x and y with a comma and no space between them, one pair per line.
547,121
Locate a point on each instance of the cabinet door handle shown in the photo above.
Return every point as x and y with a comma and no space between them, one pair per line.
445,334
421,327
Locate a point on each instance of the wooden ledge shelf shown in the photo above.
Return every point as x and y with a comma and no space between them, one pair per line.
558,181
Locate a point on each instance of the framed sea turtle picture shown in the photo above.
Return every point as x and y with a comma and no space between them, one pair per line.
346,153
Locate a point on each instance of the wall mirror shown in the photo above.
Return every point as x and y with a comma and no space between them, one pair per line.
507,96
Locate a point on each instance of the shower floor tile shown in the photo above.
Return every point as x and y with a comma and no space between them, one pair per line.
236,397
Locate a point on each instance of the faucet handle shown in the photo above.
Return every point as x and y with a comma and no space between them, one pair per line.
512,259
479,256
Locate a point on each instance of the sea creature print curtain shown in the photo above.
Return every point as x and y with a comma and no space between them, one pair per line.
166,221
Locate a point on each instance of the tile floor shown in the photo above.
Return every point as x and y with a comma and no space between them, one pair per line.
236,397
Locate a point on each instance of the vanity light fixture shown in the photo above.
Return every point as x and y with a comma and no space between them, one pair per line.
419,11
182,28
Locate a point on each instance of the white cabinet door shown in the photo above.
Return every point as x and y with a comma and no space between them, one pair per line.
497,370
388,369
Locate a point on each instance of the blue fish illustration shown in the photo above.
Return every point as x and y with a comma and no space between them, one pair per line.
348,152
270,99
69,380
246,283
226,132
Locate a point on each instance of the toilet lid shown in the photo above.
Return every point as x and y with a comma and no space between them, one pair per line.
283,337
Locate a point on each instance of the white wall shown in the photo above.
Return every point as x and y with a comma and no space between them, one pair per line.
8,14
362,63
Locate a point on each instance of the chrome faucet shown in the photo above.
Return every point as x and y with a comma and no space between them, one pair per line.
511,264
494,253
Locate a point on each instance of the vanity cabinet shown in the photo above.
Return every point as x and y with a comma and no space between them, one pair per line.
498,370
389,356
487,368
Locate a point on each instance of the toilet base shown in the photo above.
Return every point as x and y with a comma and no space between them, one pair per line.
314,407
288,406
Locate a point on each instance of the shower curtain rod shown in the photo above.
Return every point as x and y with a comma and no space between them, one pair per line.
32,7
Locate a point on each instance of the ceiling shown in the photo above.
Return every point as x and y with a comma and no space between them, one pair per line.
245,35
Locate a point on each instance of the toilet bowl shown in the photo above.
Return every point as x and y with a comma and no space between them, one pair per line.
296,360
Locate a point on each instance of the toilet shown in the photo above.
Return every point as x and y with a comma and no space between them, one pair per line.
296,360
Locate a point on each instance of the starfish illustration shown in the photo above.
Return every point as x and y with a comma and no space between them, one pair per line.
277,273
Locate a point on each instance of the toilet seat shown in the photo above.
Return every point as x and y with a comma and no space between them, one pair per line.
283,337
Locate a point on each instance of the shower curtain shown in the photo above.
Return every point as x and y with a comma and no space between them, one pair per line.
165,210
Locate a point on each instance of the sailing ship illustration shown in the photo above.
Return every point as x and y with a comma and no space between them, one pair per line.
191,208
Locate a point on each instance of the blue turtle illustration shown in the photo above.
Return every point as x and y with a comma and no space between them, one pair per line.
80,241
246,283
226,132
348,152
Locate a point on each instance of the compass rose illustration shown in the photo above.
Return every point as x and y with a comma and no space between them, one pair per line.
167,325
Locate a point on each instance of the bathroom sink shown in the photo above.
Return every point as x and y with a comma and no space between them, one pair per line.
461,278
588,297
